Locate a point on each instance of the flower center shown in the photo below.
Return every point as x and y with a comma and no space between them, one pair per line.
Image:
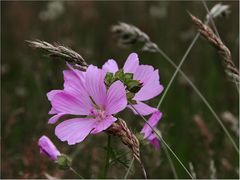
99,114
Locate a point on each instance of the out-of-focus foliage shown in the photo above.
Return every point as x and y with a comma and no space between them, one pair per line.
26,77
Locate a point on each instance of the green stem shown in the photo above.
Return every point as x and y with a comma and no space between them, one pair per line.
178,69
164,142
75,172
107,157
129,169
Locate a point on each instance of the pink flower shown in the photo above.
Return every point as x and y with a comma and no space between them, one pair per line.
48,148
148,132
143,73
85,94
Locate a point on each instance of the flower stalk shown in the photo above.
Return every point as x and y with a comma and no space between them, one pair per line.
75,172
107,157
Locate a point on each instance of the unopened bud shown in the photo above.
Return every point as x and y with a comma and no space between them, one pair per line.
64,161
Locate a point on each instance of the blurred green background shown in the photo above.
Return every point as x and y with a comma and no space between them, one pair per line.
27,75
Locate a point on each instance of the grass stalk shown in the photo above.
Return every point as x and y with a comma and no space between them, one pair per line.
129,168
201,97
194,87
177,70
75,172
164,142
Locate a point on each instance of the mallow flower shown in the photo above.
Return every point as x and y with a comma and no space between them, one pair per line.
86,96
147,77
48,148
147,131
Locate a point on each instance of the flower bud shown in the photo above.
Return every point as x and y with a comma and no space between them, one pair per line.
48,148
64,161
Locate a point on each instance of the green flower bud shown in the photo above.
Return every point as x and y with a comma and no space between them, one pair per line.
120,75
109,78
64,161
128,75
134,86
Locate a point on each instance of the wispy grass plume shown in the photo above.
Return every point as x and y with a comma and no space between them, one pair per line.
128,34
218,10
222,49
60,52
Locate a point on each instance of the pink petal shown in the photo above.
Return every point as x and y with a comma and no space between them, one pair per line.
54,119
131,63
48,148
153,120
155,142
95,85
150,89
53,111
103,124
74,80
110,66
74,84
74,130
68,104
142,108
50,96
116,98
52,93
143,73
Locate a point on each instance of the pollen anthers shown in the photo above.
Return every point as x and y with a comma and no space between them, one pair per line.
99,114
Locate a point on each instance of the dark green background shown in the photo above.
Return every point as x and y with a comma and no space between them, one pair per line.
27,75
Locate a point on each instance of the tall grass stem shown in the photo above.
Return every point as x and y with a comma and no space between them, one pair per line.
129,168
201,97
177,70
75,172
164,142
